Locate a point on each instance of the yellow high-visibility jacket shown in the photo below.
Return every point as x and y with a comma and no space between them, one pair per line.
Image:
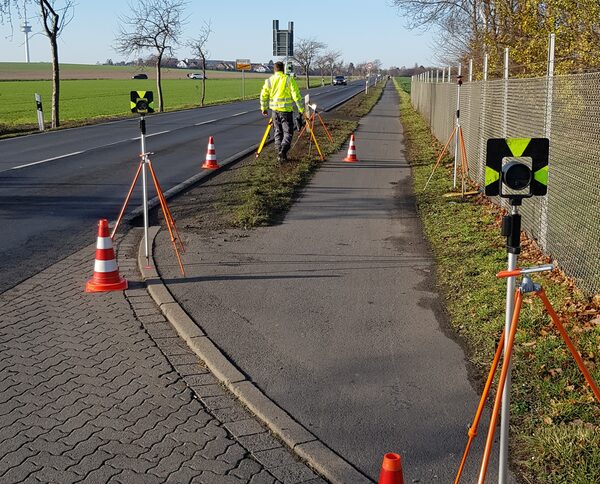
279,93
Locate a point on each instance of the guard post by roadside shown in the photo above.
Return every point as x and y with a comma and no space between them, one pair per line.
40,111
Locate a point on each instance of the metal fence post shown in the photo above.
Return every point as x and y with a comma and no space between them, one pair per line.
547,134
470,70
482,119
485,67
456,125
505,102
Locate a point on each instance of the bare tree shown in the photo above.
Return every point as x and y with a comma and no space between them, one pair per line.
331,59
198,46
306,52
152,24
321,63
54,16
54,20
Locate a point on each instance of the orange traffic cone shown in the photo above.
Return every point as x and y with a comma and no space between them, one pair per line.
106,273
211,155
351,158
391,469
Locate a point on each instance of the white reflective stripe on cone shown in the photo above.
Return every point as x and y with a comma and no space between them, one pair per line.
104,243
105,266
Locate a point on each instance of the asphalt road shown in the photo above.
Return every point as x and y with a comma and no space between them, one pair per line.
54,186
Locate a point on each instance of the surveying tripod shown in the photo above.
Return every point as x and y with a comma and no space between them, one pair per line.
511,228
145,166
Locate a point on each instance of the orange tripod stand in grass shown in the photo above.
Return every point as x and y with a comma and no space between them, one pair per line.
526,286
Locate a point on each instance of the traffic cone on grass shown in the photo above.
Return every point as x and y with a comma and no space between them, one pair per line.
391,469
351,157
211,156
106,273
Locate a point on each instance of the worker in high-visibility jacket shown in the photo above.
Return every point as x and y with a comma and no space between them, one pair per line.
279,94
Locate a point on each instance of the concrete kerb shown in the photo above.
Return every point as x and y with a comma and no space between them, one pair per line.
316,454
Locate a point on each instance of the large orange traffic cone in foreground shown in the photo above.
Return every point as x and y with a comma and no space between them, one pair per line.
211,155
351,158
106,273
391,469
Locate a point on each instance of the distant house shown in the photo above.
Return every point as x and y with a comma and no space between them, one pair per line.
188,64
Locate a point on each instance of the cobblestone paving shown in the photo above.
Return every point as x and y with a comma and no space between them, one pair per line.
98,388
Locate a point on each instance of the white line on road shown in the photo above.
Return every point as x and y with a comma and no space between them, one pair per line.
150,135
239,114
206,122
44,161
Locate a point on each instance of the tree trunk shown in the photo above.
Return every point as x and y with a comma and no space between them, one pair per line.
158,82
203,80
55,83
307,79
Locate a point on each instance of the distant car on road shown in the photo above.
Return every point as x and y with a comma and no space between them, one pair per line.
140,76
340,81
195,75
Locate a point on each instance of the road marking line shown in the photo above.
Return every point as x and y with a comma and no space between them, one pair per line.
156,134
150,135
239,114
45,161
206,122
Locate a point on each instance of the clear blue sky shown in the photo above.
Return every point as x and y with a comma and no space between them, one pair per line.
361,30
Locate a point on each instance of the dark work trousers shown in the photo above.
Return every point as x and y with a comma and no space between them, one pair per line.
283,126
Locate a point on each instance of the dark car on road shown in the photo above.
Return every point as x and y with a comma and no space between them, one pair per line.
340,81
140,76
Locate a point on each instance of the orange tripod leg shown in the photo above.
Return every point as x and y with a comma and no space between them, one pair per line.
325,127
501,382
440,157
299,136
586,374
168,213
486,390
312,134
464,150
127,198
165,209
464,168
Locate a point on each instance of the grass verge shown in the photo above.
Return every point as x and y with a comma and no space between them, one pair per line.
554,417
91,101
265,189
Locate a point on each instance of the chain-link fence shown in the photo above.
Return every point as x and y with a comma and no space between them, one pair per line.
565,109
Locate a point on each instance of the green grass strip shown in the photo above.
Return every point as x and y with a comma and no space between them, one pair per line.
554,417
265,189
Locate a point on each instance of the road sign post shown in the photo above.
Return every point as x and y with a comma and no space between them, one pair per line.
243,65
40,111
283,42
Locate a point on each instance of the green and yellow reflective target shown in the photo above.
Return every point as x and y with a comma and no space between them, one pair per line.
142,102
537,149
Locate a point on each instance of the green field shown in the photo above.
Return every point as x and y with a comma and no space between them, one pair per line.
110,97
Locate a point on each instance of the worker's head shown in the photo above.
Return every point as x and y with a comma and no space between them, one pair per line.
278,66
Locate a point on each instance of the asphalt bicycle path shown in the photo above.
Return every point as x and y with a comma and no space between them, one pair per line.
99,388
334,315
